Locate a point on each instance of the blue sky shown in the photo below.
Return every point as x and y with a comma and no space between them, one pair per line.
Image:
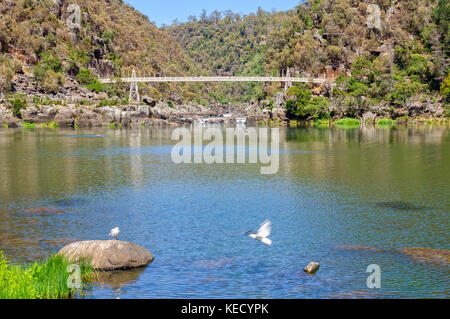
165,11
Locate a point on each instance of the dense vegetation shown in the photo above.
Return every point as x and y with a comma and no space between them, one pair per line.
35,38
230,44
407,57
41,280
404,58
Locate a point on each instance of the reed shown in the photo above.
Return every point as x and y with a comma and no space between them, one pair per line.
40,280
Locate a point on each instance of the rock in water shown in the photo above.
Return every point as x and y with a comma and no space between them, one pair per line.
108,254
428,255
312,268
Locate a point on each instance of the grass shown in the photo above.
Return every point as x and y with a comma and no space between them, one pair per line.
321,123
274,122
402,119
261,123
50,125
5,125
348,123
386,122
28,125
41,280
111,102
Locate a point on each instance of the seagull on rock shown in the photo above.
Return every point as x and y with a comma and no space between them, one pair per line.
262,233
114,232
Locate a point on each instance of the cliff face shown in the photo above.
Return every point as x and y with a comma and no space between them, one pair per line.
54,40
380,52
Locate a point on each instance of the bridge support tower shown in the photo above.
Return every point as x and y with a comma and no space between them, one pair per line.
134,89
287,84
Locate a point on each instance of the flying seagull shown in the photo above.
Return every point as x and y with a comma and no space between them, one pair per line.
262,233
114,232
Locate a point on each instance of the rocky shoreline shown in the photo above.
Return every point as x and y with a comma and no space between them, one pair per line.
148,113
77,113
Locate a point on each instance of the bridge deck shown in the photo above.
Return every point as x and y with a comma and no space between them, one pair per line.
218,79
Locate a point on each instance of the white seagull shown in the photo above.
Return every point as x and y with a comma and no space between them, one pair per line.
114,232
262,233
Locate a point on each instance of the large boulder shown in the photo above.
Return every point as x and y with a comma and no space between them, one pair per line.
105,68
149,101
108,254
312,268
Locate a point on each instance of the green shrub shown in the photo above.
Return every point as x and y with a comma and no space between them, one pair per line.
53,81
108,35
447,110
321,123
18,103
305,106
421,66
85,76
96,86
40,280
348,123
111,102
6,75
28,125
404,89
48,73
445,88
386,122
48,62
50,125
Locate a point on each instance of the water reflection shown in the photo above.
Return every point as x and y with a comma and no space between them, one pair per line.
398,205
117,279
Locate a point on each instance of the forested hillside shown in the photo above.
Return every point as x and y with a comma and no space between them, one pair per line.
389,63
405,56
226,43
112,39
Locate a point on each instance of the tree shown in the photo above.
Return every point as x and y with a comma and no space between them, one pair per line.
304,106
445,88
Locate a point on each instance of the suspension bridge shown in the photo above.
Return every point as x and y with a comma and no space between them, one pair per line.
288,80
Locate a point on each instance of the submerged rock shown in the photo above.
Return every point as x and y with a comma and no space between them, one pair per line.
117,279
358,248
108,254
428,255
399,205
312,268
45,211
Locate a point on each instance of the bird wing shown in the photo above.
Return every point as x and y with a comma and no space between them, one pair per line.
251,232
265,229
266,241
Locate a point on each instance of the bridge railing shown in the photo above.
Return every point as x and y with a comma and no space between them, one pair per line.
218,79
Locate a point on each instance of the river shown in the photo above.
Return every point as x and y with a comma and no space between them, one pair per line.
344,198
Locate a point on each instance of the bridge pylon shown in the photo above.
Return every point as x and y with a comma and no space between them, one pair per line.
134,89
287,84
